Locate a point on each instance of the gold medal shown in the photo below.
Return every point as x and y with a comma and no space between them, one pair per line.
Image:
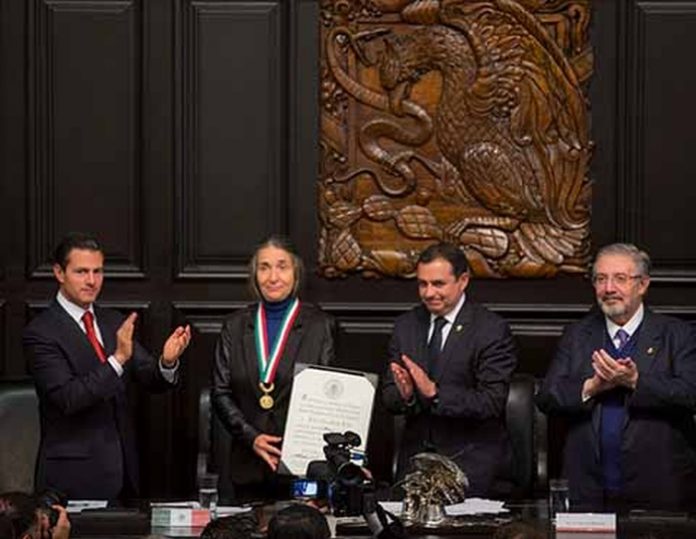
266,401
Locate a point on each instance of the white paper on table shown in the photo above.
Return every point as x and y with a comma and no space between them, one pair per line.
586,522
181,505
393,507
475,506
227,510
77,506
324,400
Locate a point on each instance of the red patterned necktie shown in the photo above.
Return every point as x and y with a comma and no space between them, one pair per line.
88,319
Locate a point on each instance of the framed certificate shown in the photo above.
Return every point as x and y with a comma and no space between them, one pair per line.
324,399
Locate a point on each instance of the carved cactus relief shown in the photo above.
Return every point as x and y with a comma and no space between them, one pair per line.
456,120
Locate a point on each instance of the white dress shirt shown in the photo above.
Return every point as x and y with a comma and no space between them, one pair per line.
629,327
450,317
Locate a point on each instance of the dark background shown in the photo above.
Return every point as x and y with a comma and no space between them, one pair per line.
181,132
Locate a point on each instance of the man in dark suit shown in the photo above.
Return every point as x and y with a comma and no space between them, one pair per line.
451,361
82,358
624,381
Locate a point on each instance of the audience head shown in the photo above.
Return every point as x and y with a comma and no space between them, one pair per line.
275,270
6,529
518,530
621,277
21,510
78,266
242,526
298,522
443,275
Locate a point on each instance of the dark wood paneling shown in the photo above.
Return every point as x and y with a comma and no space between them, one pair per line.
660,115
13,139
182,131
4,371
206,320
232,146
84,129
34,308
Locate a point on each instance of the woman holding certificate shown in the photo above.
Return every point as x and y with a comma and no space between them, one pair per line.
254,362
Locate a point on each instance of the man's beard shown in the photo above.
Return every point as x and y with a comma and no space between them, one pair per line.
618,308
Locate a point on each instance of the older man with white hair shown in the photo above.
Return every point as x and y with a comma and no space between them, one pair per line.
624,380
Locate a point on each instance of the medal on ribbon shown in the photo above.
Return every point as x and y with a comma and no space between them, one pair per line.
268,362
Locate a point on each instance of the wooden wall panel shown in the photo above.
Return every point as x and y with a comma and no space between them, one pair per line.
659,190
4,356
232,138
182,131
206,319
85,128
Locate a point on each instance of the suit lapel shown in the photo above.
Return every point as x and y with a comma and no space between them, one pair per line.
456,339
421,335
596,339
649,343
72,337
107,330
251,362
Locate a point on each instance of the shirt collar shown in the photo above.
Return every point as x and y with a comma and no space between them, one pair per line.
75,311
452,315
629,327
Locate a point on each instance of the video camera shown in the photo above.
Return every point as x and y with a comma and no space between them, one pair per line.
340,478
344,482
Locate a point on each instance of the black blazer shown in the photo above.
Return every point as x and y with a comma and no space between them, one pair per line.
235,394
467,423
659,437
87,447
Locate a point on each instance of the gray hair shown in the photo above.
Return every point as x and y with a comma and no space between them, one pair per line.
640,258
278,242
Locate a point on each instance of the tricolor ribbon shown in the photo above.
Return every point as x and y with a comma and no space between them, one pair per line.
268,363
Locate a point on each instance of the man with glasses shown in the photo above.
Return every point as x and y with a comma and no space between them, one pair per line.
624,380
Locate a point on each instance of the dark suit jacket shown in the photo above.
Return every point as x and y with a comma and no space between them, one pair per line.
87,446
659,437
473,377
235,394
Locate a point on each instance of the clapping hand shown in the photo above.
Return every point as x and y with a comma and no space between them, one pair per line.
124,339
175,345
617,372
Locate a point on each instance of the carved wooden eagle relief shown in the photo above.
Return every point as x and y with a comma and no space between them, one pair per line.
456,120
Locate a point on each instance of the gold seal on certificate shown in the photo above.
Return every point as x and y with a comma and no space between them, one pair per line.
266,401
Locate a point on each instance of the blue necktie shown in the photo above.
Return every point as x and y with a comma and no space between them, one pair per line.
613,418
622,336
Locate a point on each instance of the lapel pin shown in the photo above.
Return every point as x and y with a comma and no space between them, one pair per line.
459,328
651,351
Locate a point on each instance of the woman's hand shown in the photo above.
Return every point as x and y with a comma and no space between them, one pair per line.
265,446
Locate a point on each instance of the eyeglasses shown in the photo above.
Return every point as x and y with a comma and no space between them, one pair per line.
619,279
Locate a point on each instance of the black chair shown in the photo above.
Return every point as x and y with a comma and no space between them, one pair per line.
202,461
526,428
19,435
214,447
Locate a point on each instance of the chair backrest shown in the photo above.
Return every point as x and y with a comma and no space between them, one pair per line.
526,431
203,433
214,446
19,435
